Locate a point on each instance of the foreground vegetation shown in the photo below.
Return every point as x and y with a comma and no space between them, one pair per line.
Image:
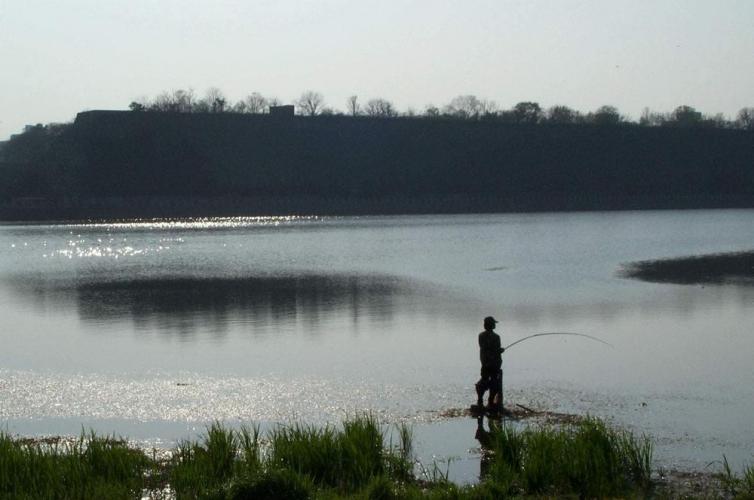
356,460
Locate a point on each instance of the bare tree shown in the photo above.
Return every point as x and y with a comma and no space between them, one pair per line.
380,107
239,107
488,107
311,103
685,116
352,105
562,114
215,99
745,119
651,119
464,106
177,101
431,111
256,103
717,120
162,102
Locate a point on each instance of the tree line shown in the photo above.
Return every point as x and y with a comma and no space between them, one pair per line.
464,107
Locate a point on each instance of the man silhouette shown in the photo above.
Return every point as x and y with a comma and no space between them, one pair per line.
491,379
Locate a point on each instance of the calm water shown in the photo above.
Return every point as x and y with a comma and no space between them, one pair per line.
151,329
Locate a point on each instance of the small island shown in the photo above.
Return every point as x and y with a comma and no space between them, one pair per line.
718,268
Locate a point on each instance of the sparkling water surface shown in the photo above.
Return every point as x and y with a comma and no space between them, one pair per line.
151,329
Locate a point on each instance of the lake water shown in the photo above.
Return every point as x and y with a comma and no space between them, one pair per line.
152,329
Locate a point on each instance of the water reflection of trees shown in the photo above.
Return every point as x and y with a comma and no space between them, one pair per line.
311,302
185,305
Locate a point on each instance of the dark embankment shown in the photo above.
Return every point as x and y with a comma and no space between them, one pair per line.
127,164
701,269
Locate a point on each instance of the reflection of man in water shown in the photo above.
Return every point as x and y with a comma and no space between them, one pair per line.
490,352
485,438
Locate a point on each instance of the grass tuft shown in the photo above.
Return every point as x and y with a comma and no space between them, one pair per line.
90,467
587,459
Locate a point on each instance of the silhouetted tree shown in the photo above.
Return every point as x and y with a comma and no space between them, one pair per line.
527,112
380,107
177,101
605,115
255,103
745,119
431,111
215,99
311,103
137,106
717,120
464,106
352,105
202,106
562,114
685,116
489,108
651,119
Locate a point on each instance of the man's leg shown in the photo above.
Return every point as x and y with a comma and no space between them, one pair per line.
497,387
481,386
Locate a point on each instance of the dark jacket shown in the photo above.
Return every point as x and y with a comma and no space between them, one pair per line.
489,349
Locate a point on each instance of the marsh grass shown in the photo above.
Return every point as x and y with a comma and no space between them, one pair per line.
198,468
586,459
739,487
294,461
748,479
347,458
90,467
357,459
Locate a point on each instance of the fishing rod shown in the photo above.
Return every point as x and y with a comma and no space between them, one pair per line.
542,335
557,333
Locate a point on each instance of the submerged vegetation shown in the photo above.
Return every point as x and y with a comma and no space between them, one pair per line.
358,459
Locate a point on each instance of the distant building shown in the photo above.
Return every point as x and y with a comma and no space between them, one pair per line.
282,111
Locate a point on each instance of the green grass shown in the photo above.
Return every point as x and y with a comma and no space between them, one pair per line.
346,459
738,487
357,459
585,459
91,467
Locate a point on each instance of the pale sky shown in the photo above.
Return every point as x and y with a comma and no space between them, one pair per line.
58,57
